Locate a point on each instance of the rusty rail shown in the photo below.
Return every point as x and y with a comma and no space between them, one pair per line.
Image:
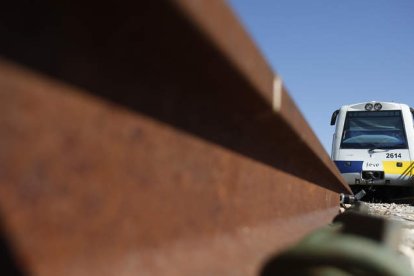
149,139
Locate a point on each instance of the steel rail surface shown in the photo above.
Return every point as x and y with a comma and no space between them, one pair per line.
147,139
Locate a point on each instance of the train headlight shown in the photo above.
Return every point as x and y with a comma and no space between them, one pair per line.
369,106
377,106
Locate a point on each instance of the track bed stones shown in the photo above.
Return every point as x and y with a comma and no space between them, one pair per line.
404,213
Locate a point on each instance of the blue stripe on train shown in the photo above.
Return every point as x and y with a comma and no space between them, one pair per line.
349,166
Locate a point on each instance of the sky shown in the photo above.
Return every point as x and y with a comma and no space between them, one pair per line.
330,53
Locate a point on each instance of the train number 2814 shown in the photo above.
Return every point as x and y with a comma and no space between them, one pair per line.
393,155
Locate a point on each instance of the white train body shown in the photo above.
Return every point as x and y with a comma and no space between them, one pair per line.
373,143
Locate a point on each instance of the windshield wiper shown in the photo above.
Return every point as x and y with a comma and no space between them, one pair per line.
371,150
388,147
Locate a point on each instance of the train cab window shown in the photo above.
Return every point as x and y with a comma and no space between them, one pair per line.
374,129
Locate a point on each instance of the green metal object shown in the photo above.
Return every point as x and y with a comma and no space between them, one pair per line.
330,251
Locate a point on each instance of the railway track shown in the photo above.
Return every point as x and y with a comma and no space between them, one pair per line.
380,194
150,138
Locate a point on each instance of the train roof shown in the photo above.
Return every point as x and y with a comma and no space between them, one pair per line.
370,106
383,106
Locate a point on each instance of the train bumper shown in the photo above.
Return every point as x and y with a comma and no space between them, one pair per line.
378,178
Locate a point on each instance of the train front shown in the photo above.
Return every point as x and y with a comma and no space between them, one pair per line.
372,144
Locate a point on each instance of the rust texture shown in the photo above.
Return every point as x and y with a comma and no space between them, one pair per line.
143,139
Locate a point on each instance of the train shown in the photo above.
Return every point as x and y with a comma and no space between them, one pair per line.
373,145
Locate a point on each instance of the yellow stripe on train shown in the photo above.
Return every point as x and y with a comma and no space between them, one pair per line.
398,167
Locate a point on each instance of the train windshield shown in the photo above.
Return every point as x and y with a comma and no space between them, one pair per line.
374,129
